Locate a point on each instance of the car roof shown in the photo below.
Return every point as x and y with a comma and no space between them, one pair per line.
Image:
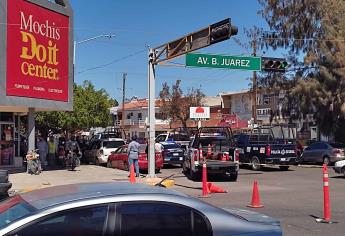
57,195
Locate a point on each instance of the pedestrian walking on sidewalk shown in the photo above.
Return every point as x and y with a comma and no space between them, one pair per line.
133,154
42,146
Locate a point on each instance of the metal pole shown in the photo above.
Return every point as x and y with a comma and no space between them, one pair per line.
31,129
151,115
123,99
254,85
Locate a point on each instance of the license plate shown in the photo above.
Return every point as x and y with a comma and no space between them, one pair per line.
175,154
283,159
181,158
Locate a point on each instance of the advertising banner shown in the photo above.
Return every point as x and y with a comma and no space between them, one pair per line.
37,52
199,113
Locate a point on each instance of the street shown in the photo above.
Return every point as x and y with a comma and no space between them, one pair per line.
295,197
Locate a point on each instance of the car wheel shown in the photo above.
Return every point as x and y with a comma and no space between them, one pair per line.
109,164
343,171
233,176
285,168
125,166
185,170
157,170
256,165
326,160
193,175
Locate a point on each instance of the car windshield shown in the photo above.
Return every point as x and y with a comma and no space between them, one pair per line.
13,209
113,144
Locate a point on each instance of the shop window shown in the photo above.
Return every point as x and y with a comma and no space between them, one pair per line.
6,116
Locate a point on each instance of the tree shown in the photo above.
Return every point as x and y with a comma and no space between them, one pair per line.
175,105
314,30
90,109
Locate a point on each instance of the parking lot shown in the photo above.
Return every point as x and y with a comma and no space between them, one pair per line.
295,197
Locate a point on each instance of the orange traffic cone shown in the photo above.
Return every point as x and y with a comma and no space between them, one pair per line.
215,189
132,175
255,197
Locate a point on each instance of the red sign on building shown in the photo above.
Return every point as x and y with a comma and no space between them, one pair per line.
37,52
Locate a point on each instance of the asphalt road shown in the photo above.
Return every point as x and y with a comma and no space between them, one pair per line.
295,197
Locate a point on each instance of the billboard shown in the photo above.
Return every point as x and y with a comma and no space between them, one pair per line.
199,112
37,47
37,39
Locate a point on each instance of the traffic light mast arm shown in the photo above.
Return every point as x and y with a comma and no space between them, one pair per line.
214,33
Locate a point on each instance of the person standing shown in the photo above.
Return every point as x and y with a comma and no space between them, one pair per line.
133,154
52,150
42,150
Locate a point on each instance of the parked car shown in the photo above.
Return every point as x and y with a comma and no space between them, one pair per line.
339,167
215,145
323,152
172,153
99,150
119,159
124,209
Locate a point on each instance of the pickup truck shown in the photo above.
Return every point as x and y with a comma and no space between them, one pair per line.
261,149
179,138
215,146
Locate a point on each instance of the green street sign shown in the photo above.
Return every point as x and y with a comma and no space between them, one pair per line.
221,61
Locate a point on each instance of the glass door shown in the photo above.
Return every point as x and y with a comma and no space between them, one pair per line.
6,143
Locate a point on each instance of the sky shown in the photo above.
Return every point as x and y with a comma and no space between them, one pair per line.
139,24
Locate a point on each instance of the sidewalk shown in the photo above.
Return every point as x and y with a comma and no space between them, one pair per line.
23,182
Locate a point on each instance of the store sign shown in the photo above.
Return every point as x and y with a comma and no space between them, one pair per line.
37,52
264,113
199,112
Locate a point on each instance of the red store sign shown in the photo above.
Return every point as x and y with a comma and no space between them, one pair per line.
37,52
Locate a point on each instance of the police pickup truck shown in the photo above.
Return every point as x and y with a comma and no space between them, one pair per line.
215,146
261,148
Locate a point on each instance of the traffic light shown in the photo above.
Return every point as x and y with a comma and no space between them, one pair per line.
222,30
274,64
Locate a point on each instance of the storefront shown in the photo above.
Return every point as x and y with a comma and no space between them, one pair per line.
10,139
36,69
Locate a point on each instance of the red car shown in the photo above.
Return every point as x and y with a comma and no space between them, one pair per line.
119,159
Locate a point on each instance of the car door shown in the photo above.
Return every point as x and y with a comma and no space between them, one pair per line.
310,152
86,221
160,218
123,164
116,158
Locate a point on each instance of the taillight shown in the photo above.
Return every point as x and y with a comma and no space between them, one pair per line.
225,156
336,151
237,155
196,155
268,150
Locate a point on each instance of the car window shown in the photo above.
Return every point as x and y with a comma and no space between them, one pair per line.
337,145
124,150
156,219
161,138
113,144
323,146
88,221
13,209
313,146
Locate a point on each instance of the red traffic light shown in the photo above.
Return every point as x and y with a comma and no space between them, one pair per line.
274,64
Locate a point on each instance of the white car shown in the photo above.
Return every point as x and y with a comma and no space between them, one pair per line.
339,167
99,150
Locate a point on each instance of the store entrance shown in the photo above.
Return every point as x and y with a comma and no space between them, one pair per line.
6,143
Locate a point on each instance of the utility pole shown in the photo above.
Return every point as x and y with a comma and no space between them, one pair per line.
123,99
254,94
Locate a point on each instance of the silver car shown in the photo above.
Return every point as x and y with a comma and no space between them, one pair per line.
339,167
124,209
323,152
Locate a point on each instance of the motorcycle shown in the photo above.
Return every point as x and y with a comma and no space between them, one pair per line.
72,160
33,163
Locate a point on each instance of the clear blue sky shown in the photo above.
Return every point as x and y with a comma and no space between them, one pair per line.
155,22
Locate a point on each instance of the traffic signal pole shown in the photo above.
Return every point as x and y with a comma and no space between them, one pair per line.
254,85
151,115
